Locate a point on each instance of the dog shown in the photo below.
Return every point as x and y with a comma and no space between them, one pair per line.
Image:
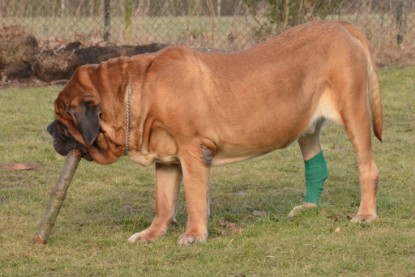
186,111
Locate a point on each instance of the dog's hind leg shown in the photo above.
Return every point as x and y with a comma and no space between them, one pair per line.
309,142
315,166
357,127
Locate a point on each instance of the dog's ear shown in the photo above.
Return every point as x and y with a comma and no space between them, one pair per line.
86,117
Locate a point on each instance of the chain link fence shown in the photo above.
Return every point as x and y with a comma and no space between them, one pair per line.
213,24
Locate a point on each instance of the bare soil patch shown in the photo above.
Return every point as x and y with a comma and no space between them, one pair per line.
22,59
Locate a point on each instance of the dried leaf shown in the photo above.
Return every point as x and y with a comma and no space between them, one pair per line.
20,166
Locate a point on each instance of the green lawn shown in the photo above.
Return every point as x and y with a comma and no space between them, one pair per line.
107,204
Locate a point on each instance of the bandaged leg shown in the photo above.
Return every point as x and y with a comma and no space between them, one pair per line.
315,166
316,173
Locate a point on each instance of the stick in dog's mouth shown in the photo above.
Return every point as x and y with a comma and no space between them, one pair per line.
57,196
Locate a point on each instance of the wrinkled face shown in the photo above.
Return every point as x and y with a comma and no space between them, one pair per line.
63,141
76,126
81,120
77,112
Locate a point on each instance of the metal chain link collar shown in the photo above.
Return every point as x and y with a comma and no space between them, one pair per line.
127,131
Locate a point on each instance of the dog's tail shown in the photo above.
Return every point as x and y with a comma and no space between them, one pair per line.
373,82
374,100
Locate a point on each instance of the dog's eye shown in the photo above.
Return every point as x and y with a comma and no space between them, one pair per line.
64,130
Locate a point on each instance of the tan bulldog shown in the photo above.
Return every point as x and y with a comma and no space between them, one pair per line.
186,111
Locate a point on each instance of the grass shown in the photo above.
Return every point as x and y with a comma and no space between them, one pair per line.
106,204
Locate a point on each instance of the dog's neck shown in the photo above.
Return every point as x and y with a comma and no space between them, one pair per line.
127,129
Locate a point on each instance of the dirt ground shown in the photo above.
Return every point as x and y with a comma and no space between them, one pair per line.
23,60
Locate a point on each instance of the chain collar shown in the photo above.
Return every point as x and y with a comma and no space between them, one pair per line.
127,131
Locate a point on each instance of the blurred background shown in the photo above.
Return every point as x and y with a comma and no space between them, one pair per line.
204,24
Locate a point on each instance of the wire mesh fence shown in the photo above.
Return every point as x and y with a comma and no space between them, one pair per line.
213,24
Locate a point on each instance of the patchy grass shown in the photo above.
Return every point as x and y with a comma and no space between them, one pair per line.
106,204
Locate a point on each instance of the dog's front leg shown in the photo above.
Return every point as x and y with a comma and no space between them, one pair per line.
195,174
168,178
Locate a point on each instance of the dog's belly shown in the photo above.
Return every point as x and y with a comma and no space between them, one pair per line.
249,147
272,134
222,159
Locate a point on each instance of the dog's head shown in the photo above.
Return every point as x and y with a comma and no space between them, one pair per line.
63,141
90,112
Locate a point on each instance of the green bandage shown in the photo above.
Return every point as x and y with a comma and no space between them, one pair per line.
315,174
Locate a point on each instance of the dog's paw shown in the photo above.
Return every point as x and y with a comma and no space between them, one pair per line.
297,209
187,239
364,218
145,236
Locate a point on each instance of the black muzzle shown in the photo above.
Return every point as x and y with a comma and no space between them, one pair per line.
63,141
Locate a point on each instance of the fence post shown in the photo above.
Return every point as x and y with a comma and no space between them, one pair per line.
107,21
400,20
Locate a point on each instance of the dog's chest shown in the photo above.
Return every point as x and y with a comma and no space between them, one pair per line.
146,159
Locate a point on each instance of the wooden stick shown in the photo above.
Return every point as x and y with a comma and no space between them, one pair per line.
57,196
